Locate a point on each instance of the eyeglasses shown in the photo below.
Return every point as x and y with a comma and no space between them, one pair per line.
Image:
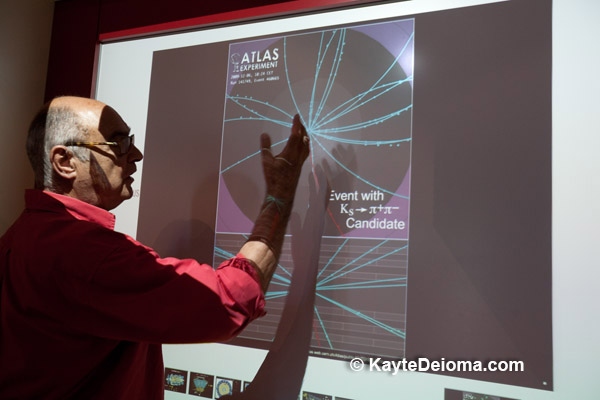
123,144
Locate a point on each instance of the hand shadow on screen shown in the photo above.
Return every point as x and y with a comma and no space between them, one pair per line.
281,373
337,166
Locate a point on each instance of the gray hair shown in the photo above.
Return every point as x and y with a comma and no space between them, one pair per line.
50,127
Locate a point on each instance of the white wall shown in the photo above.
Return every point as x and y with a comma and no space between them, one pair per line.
25,30
576,198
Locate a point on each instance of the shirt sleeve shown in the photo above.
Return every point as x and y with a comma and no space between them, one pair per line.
135,295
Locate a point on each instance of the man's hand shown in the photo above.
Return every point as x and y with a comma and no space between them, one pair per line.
283,170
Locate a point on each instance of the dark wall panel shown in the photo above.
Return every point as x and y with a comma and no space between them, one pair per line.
72,48
120,15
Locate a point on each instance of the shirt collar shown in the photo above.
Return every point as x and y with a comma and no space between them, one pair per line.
48,201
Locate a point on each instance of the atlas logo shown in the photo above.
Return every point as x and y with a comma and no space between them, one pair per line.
260,56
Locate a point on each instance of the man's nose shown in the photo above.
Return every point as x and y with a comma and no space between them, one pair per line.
135,154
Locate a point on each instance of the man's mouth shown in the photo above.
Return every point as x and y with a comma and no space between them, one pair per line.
130,175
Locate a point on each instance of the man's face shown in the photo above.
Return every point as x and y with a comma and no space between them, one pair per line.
108,172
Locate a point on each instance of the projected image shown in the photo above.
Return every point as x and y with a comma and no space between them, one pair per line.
352,88
360,296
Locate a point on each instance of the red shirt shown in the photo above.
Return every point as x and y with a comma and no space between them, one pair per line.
84,308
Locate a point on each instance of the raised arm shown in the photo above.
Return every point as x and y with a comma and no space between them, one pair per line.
281,172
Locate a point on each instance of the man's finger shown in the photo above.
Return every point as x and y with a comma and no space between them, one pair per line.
265,142
297,127
297,146
265,146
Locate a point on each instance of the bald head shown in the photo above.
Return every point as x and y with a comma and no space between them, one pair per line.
87,110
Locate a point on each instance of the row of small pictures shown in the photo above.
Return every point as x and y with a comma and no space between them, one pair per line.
211,387
201,385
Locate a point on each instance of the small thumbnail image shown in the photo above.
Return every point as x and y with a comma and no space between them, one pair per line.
201,385
315,396
225,386
245,385
451,394
175,380
478,396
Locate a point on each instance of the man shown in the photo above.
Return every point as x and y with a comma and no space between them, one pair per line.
83,308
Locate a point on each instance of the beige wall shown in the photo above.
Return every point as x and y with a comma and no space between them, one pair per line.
25,29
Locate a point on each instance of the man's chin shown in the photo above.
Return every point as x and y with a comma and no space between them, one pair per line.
128,190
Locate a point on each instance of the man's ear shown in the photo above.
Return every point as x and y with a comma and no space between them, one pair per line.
63,162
